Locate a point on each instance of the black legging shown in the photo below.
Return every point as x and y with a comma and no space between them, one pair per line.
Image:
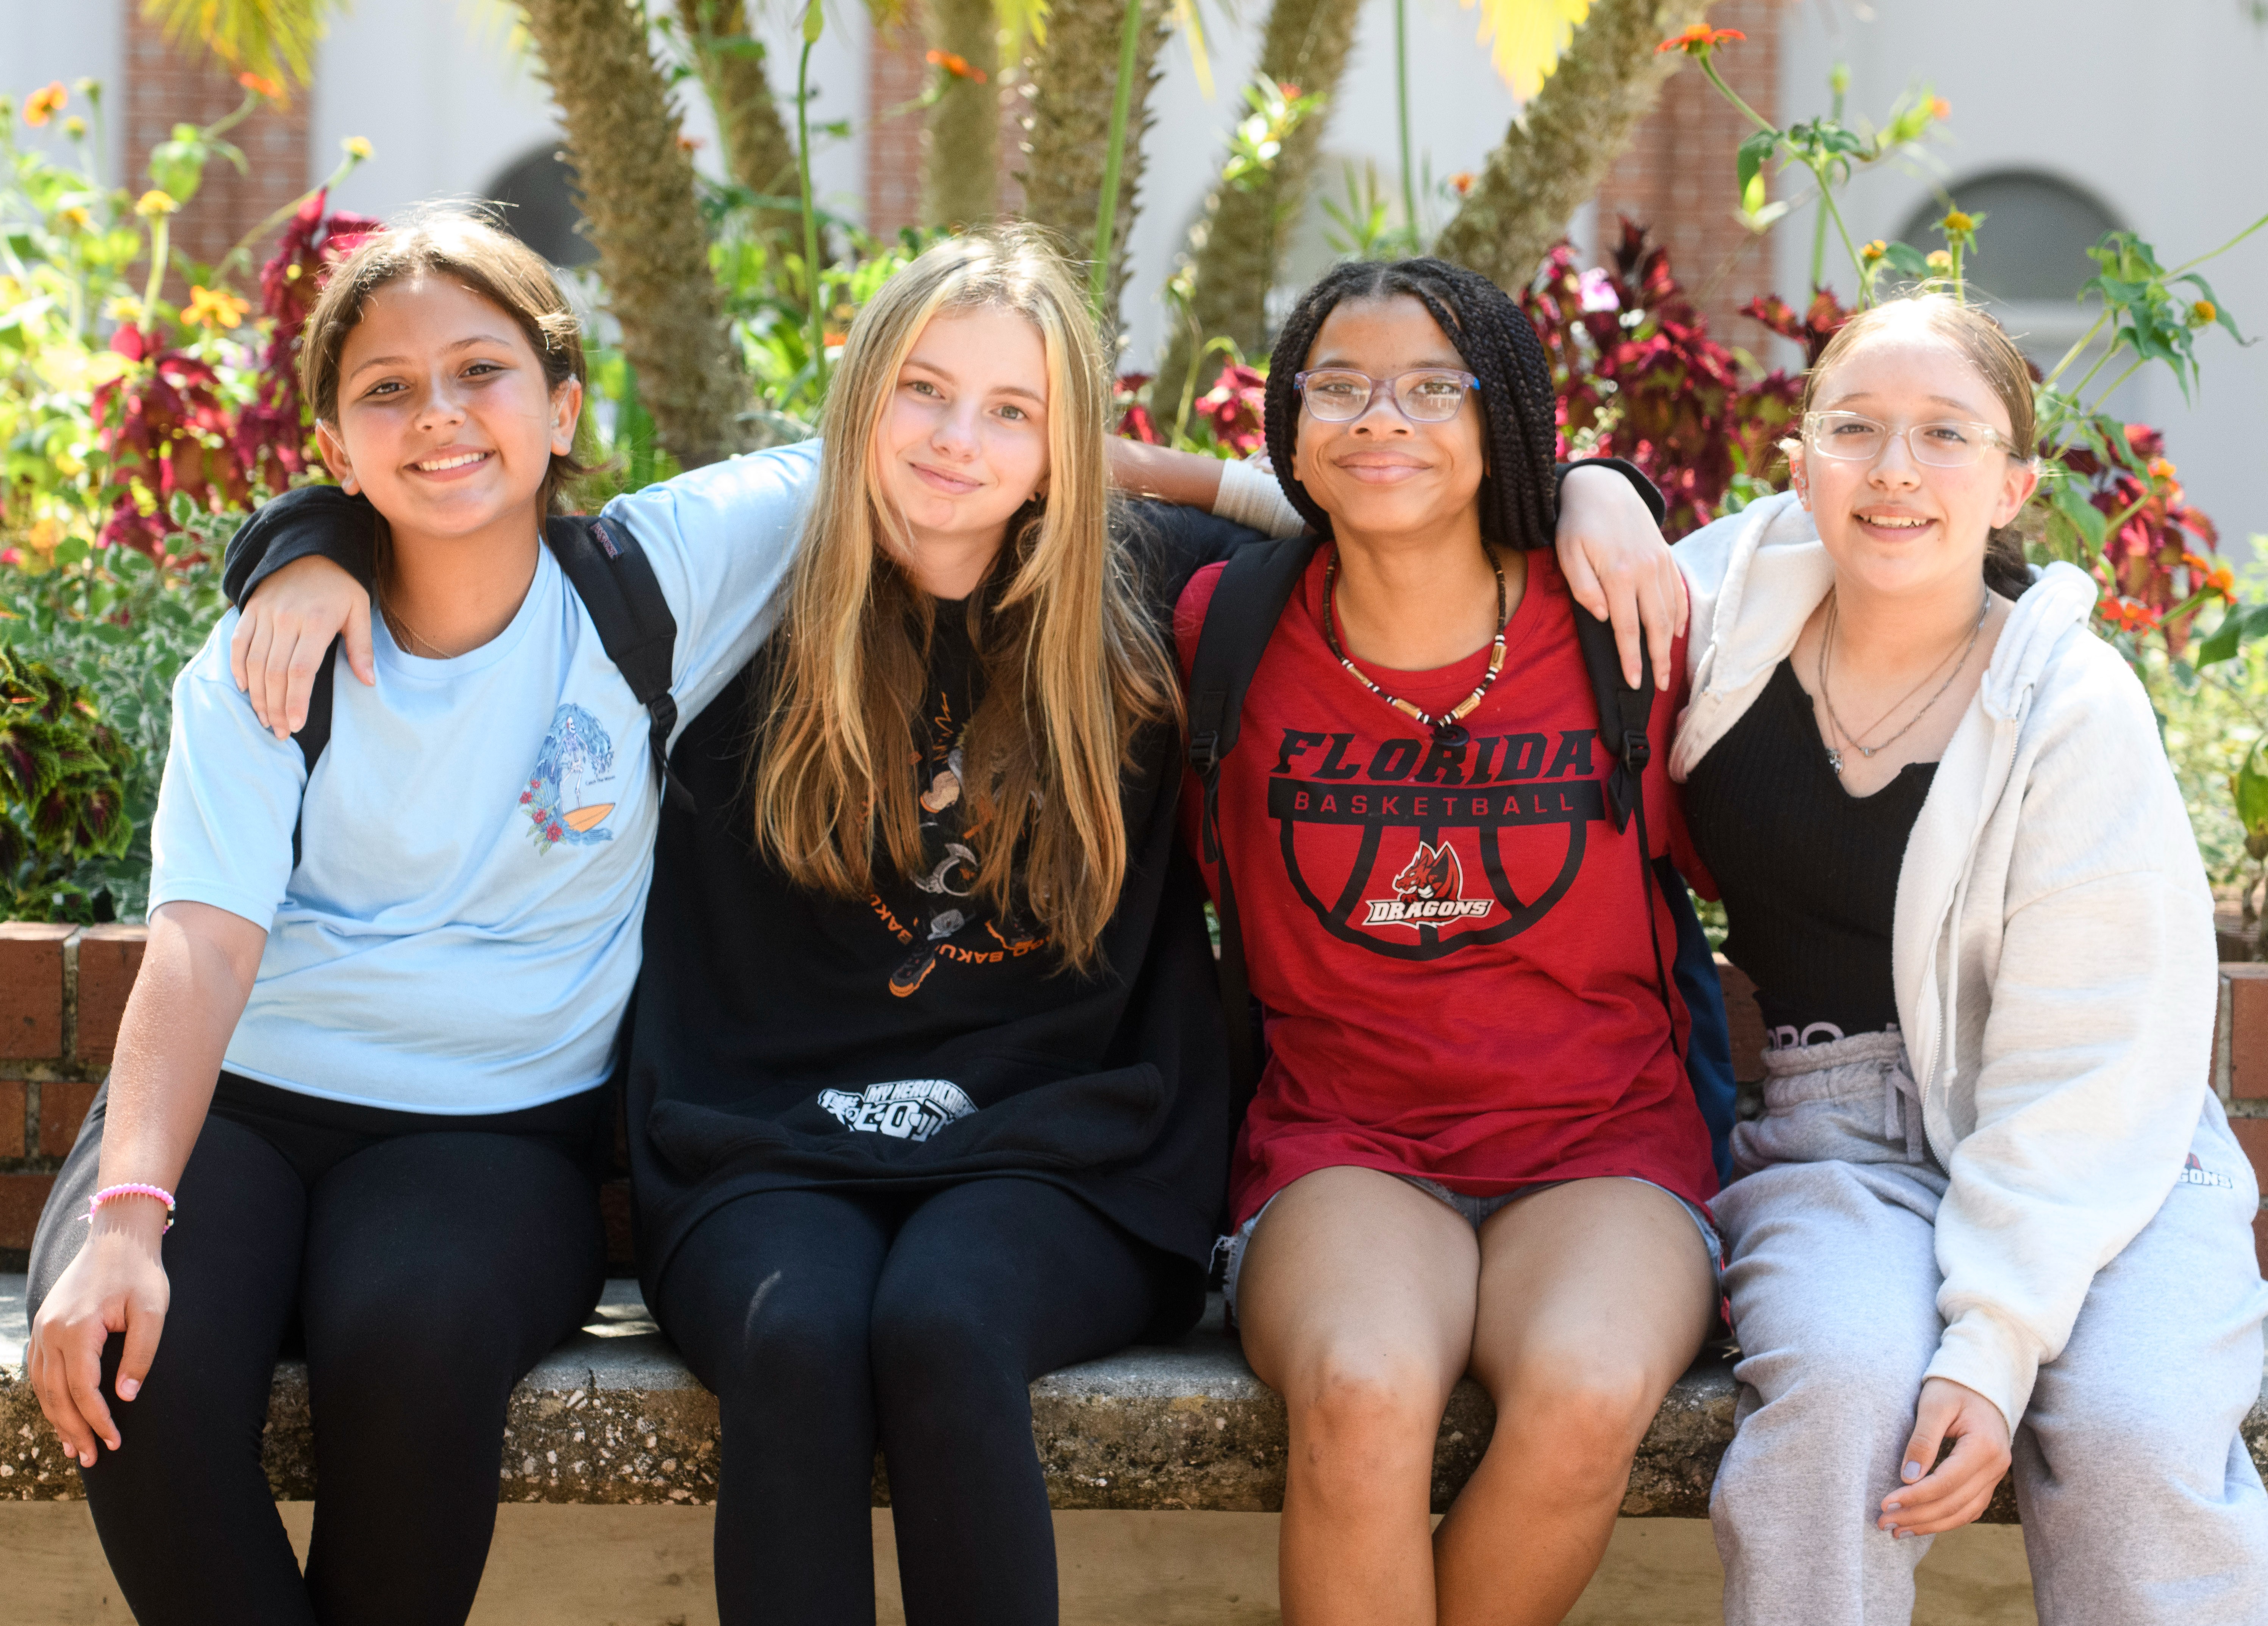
430,1261
823,1318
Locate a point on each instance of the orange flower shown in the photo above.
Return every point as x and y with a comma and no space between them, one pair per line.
1873,251
259,86
1462,182
2204,311
1939,108
1698,40
41,106
214,308
1288,91
957,65
688,143
2162,469
1937,259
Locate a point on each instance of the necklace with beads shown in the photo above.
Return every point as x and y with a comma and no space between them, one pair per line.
1448,728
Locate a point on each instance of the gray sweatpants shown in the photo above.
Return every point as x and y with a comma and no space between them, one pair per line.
2140,1503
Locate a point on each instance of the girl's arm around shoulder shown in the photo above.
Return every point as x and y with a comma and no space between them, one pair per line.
2096,1049
720,539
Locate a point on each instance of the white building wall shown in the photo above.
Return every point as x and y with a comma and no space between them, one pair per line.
41,41
2156,110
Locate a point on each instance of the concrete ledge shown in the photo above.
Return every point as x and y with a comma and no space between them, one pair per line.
612,1416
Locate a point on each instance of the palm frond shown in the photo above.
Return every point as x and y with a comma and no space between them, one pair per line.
273,39
1530,36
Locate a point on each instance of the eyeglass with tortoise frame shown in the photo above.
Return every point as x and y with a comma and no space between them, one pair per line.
1426,395
1941,443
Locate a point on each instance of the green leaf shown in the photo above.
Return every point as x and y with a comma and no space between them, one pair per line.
1905,259
1755,153
2252,794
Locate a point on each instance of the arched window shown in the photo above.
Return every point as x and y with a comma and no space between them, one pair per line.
536,203
2033,246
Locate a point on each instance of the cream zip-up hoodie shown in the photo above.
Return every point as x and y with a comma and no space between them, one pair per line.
2052,945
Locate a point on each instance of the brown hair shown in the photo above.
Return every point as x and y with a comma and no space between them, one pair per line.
1986,347
1073,667
480,256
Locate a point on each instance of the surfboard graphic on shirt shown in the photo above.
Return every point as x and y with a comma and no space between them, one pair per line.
572,789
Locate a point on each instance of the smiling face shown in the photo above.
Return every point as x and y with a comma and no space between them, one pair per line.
1893,525
1381,474
445,419
962,442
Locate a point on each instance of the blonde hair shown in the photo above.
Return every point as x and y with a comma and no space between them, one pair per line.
452,242
1985,344
1073,667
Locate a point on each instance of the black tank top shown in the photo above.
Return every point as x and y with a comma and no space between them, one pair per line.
1808,873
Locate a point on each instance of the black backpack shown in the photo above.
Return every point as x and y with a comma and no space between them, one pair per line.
1255,585
611,574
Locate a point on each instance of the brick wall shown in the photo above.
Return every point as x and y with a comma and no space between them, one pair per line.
1676,176
897,73
165,88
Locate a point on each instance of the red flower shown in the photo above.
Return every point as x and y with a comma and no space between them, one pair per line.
1462,182
1235,406
525,796
957,65
552,834
1698,40
259,86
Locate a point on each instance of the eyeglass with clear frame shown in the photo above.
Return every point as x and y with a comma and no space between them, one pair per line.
1427,395
1941,443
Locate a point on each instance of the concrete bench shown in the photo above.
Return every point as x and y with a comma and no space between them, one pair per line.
613,1416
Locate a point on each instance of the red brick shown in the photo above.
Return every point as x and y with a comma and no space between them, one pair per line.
11,1117
32,988
22,1196
1746,1020
110,959
2248,1036
62,1108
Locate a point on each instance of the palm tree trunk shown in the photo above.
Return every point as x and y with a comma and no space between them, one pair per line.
731,61
1235,249
1068,133
637,185
1559,150
960,163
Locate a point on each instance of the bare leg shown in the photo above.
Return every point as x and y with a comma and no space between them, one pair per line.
1594,1296
1357,1299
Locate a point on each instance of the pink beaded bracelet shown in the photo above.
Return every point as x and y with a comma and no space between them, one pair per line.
108,1192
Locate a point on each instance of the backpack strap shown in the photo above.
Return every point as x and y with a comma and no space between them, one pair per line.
315,733
1624,713
612,576
1247,600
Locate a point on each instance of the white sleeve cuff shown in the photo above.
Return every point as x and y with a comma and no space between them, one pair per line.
1989,1356
1250,497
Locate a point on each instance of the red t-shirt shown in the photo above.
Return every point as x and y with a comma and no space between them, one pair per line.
1457,980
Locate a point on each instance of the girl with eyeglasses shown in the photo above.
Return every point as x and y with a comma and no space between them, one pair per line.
1474,1149
1992,1203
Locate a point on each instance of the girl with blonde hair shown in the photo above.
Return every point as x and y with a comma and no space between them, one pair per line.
926,1086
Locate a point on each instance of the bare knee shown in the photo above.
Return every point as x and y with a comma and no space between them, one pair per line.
1360,1420
1579,1422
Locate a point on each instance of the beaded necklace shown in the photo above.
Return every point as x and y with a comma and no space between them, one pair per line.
1448,728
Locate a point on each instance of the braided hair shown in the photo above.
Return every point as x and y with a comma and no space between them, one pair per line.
1519,416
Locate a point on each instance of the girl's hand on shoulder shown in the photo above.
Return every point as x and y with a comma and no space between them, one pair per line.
1618,567
284,635
116,1284
1935,1499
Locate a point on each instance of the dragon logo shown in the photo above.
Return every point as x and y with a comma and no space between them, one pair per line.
1429,891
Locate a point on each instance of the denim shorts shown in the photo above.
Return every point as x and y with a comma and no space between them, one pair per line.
1473,1210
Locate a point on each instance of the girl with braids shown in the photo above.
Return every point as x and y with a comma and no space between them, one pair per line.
925,1084
1474,1147
1992,1202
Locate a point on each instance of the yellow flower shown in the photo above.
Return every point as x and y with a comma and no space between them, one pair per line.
1873,251
2202,311
74,218
357,147
44,534
125,309
1937,259
214,308
1957,221
2162,469
41,106
11,291
74,127
153,203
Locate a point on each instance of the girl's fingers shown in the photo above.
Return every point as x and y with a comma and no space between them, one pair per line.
307,658
1582,580
144,1323
357,636
55,1401
252,633
1630,612
82,1361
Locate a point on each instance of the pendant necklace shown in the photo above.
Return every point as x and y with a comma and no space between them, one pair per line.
1827,648
1448,728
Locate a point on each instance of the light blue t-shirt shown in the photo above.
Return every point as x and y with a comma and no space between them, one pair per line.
462,932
